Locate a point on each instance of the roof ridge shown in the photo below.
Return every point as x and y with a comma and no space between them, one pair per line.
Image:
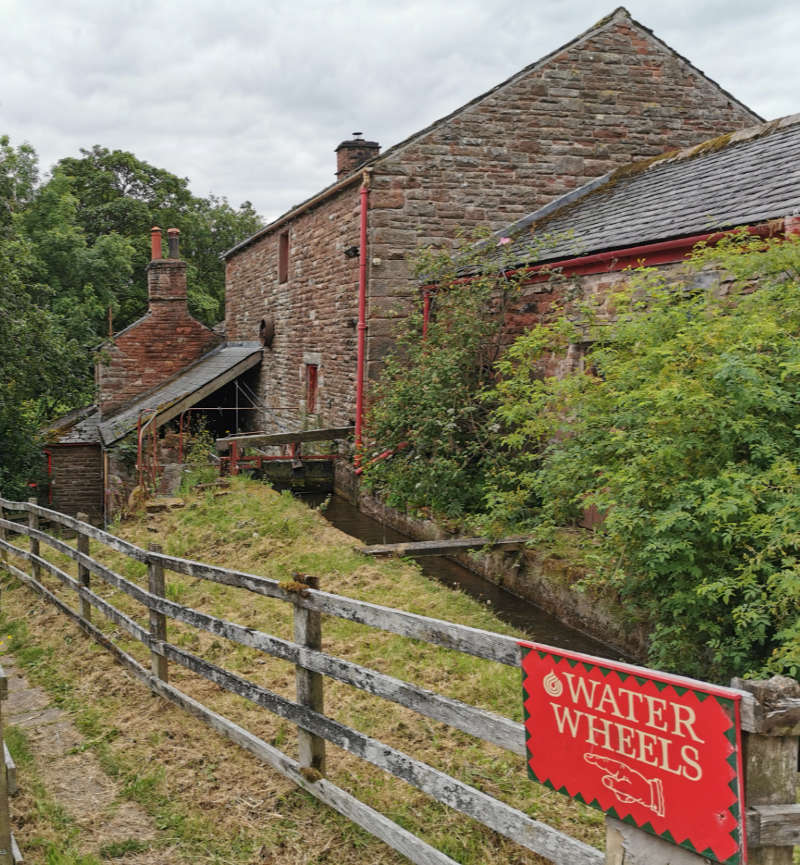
618,14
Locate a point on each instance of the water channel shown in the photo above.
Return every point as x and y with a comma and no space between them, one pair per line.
532,620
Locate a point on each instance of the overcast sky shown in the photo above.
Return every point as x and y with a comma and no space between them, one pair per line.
249,99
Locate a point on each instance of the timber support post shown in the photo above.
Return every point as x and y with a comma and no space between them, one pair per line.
3,536
6,854
83,571
158,621
770,770
33,524
308,633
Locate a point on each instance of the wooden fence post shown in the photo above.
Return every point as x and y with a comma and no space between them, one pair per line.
6,856
158,621
308,632
83,571
33,523
770,773
3,536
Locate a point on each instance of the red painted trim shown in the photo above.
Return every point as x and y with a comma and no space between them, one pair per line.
362,320
648,254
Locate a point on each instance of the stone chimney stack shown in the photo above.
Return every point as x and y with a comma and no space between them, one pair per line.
166,277
351,154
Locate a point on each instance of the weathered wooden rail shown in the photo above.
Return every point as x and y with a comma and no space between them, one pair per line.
236,445
444,547
773,721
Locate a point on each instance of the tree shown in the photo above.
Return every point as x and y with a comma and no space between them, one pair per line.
117,193
43,365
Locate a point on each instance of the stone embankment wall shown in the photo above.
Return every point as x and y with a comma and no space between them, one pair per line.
543,579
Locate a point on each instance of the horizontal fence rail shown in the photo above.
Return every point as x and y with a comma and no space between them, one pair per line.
305,713
772,827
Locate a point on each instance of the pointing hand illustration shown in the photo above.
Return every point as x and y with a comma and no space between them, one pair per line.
627,784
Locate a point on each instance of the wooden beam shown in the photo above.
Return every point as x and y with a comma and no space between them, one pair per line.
444,547
462,638
773,825
287,438
11,771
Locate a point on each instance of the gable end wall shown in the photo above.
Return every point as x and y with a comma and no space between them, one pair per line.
616,96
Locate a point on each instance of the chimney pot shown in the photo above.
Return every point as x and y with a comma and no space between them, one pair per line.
155,242
173,235
351,154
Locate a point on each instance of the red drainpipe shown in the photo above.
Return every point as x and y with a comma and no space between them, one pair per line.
426,311
362,315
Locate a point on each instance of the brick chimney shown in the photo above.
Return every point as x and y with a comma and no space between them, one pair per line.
161,343
166,277
351,154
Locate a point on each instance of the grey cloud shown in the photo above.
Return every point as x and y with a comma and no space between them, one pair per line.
248,98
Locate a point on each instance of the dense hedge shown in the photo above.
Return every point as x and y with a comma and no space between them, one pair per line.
683,430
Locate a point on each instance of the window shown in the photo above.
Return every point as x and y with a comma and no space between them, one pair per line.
283,256
312,378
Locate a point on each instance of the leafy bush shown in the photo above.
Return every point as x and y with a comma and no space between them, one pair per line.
684,433
428,414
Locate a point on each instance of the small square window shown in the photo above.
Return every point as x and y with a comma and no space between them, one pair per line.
283,257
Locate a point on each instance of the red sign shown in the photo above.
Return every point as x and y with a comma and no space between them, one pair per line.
659,751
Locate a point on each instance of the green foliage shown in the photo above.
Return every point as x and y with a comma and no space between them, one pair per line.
428,412
43,363
199,447
118,194
70,250
684,433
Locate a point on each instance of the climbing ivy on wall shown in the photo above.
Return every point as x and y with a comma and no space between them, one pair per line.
428,434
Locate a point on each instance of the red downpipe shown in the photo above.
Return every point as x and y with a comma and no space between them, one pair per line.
362,316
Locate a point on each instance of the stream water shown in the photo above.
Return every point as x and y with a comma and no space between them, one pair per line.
535,622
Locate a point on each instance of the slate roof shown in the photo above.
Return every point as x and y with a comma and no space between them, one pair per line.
211,372
748,177
619,14
80,426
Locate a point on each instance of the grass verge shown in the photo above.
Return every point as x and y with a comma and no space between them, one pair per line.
211,801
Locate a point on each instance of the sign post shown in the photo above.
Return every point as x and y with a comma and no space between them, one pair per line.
658,752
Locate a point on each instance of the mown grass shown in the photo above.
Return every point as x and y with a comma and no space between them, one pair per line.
213,802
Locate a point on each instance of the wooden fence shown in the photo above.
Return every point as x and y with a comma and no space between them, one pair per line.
771,717
9,852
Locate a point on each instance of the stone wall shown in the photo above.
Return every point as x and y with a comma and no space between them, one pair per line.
76,480
614,95
617,95
315,313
